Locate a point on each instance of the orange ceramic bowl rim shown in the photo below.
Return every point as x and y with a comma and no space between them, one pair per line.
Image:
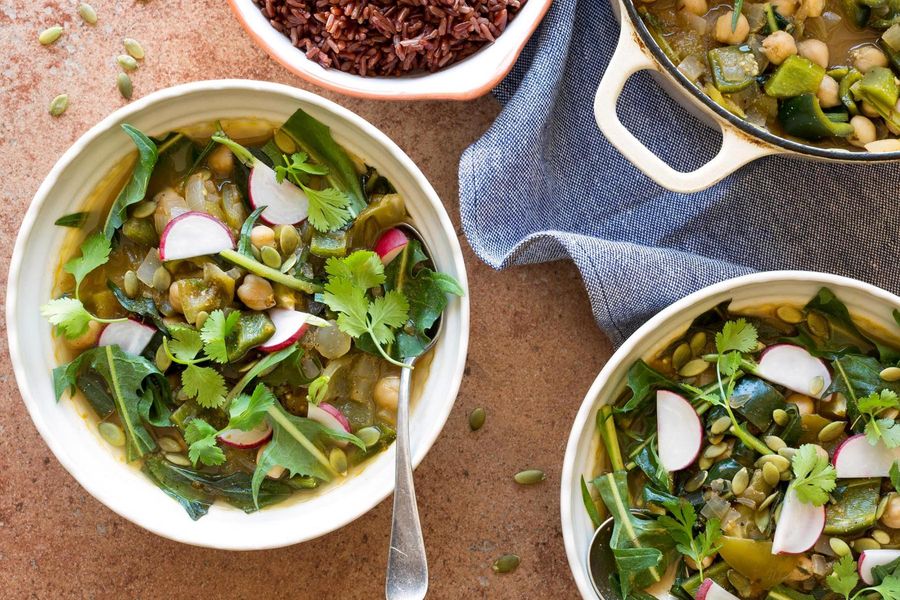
504,67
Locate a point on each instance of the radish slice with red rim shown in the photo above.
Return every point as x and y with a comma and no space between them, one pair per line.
869,559
327,415
390,244
799,526
794,368
238,438
856,457
194,234
710,590
286,204
131,336
290,325
679,431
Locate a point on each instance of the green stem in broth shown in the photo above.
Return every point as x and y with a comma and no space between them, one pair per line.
257,268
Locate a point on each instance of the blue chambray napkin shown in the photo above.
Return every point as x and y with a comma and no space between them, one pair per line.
544,184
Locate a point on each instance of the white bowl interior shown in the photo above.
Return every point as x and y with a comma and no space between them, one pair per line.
123,488
780,287
461,80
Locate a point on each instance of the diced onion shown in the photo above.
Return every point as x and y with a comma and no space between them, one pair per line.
891,37
692,67
148,267
694,22
715,508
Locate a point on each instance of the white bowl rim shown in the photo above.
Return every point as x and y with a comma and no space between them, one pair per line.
146,102
569,480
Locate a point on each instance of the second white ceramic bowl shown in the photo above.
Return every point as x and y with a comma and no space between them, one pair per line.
864,301
95,465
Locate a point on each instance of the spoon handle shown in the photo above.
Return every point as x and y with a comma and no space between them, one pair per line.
407,571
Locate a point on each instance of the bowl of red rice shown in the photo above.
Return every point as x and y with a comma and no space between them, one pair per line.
395,49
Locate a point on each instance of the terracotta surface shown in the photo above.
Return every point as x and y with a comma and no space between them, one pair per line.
533,354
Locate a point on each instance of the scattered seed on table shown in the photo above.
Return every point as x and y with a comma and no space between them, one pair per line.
123,82
59,105
530,476
127,62
476,419
50,35
133,47
506,564
87,13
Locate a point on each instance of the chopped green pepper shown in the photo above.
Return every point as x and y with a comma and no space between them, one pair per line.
846,83
854,509
878,88
795,76
329,244
837,73
892,55
803,117
733,67
252,329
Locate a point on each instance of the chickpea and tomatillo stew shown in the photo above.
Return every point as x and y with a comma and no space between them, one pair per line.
822,71
756,457
238,317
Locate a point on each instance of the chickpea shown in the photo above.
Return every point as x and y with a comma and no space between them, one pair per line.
863,131
692,564
221,161
262,235
87,339
785,8
805,405
829,92
814,8
778,46
387,392
726,35
891,516
256,293
868,110
814,50
866,58
696,7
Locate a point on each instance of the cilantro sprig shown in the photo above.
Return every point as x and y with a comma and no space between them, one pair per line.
814,476
681,527
359,313
329,209
68,314
879,428
845,578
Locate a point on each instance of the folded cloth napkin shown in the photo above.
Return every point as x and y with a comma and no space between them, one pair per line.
544,184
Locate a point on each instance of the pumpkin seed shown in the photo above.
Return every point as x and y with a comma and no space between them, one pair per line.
270,257
816,386
289,263
839,546
693,368
530,476
201,318
788,453
762,518
162,359
506,564
716,439
288,239
882,537
338,460
715,451
133,47
865,544
739,481
768,501
780,462
369,436
882,506
771,474
87,13
284,142
819,325
680,356
698,342
127,62
789,314
168,444
476,419
693,484
112,433
832,431
781,416
123,82
704,462
59,105
142,210
774,442
720,425
50,35
161,279
890,374
178,459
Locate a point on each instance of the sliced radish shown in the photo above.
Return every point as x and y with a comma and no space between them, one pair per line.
710,590
290,325
194,234
285,203
131,336
869,559
238,438
856,457
679,431
799,526
327,415
390,244
276,471
794,368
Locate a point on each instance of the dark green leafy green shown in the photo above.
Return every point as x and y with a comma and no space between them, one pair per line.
648,461
136,188
856,377
244,242
642,381
589,504
680,526
754,399
144,307
74,220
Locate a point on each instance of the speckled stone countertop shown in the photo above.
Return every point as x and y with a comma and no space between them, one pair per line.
532,356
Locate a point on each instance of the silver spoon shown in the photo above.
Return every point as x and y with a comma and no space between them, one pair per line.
407,570
600,559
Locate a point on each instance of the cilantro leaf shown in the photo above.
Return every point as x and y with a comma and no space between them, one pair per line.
889,588
94,253
329,209
248,411
205,384
343,297
388,311
814,477
880,429
68,314
680,527
363,268
216,329
185,344
201,438
297,167
844,576
737,336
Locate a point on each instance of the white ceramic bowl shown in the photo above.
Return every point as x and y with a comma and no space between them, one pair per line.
470,78
123,488
796,287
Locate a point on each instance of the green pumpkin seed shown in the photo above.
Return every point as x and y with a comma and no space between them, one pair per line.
369,436
816,386
127,62
201,318
59,105
771,474
284,142
178,459
715,451
112,433
789,314
530,476
289,263
693,368
774,442
781,416
704,462
819,325
123,82
698,342
680,356
780,462
882,537
788,453
839,546
50,35
890,374
768,501
739,481
506,564
288,239
832,431
882,506
162,359
720,425
338,460
476,419
130,283
693,484
134,48
161,279
270,257
142,210
87,13
865,544
715,440
168,444
762,519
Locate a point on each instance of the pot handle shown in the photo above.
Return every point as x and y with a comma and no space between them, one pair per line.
628,59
